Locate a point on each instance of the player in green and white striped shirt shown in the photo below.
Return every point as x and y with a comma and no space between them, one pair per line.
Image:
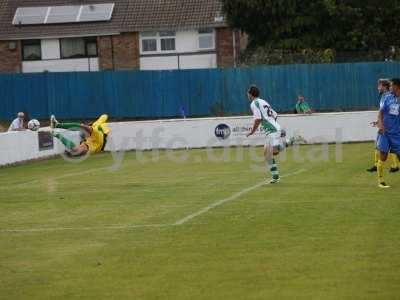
265,116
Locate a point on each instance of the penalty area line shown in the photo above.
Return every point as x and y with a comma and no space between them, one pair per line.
229,199
176,224
90,228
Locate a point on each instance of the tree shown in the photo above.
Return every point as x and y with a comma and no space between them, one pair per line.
317,25
287,24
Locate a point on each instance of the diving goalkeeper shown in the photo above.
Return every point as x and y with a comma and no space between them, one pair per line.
95,136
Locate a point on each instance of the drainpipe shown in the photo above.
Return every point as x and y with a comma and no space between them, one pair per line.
112,53
234,47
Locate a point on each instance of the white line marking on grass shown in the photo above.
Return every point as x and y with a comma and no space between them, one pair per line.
92,228
228,199
124,227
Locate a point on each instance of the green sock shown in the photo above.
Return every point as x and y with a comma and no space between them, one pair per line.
66,142
273,167
69,125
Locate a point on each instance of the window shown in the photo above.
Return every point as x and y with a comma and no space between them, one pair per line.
167,40
156,42
78,47
149,34
149,45
91,46
149,41
168,44
206,38
31,50
72,48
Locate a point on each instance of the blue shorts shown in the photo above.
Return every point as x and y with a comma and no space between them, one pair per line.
388,143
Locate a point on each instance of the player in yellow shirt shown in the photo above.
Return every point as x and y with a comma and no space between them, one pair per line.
95,136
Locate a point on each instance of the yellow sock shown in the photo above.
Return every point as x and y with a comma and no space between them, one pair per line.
380,171
101,120
376,158
394,160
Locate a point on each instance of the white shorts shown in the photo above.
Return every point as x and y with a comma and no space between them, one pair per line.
274,140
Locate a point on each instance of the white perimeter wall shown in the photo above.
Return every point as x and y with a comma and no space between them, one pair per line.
22,146
193,133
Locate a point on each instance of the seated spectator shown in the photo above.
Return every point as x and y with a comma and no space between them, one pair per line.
302,106
18,123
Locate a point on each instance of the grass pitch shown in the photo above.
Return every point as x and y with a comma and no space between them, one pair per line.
200,229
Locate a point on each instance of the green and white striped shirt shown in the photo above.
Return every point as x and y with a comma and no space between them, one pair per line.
264,112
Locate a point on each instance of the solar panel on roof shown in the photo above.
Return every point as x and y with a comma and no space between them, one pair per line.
30,15
63,14
96,12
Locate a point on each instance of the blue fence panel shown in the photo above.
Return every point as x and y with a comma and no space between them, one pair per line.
155,94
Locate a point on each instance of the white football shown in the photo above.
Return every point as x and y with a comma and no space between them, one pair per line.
34,125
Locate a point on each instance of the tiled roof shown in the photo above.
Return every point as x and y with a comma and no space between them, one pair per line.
172,14
128,16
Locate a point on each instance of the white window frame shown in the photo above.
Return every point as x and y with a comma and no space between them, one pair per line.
148,36
205,34
156,36
164,35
